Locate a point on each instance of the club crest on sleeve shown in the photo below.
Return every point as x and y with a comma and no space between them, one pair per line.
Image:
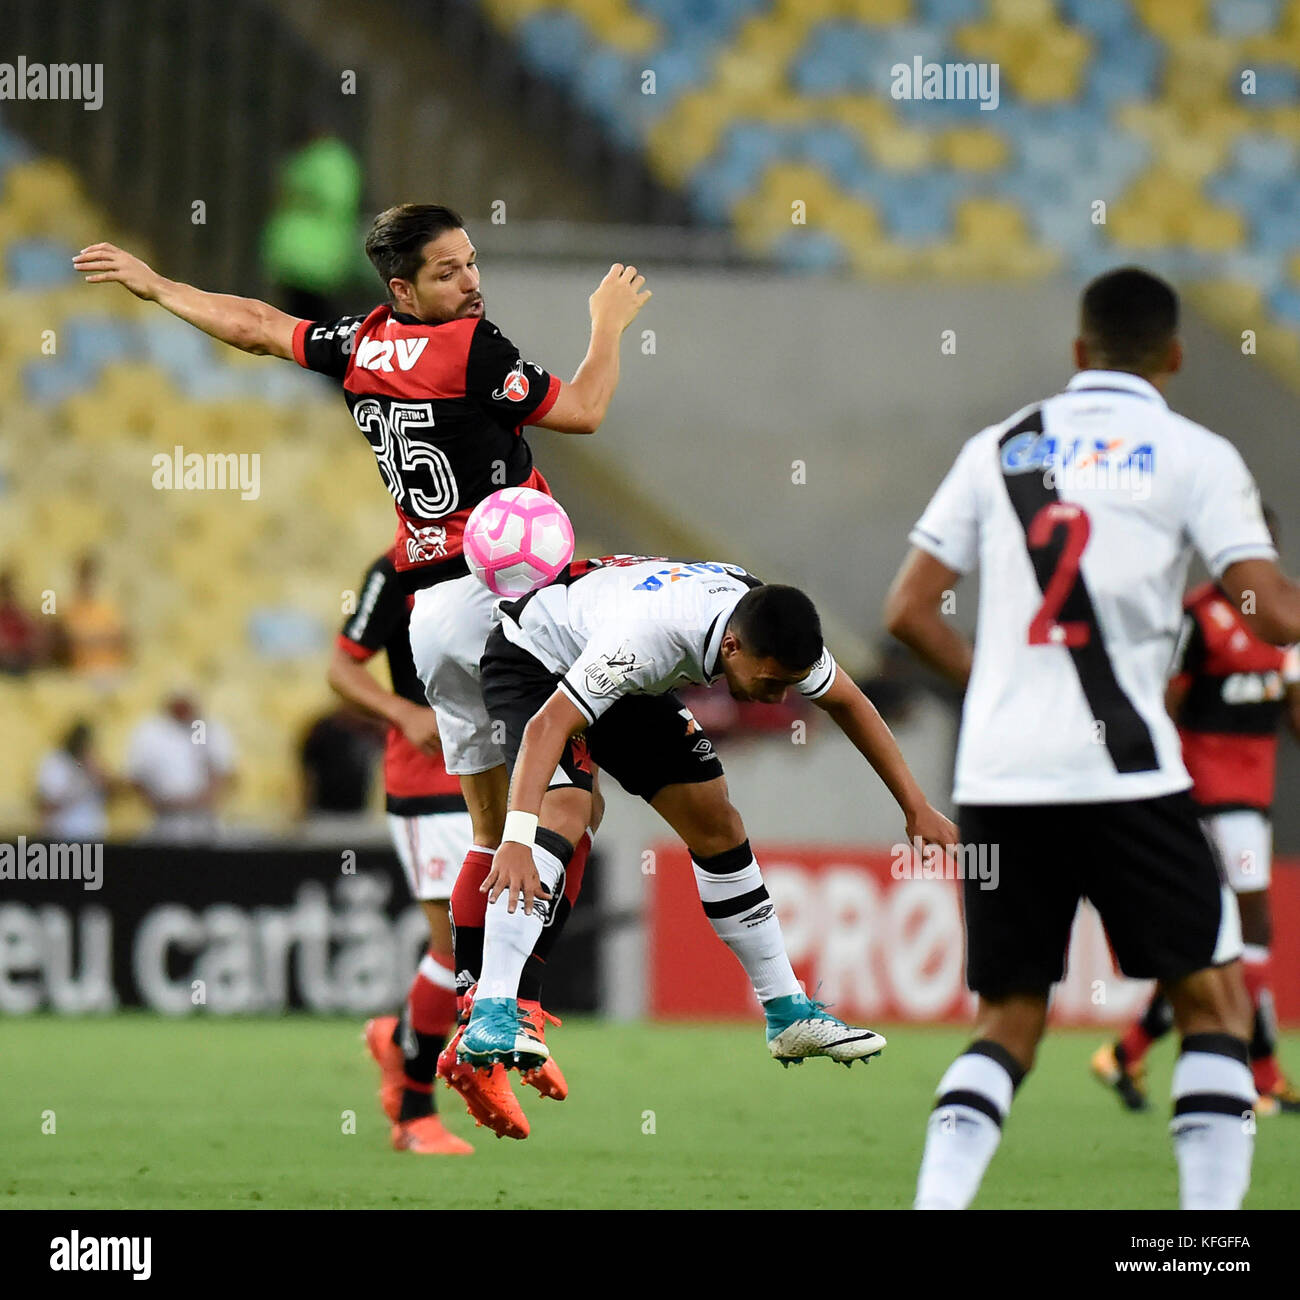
515,386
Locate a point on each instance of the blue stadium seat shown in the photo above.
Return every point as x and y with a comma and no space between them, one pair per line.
39,264
1275,230
835,150
174,347
96,341
1271,157
914,208
554,43
1107,20
1285,302
677,68
951,12
713,18
1127,70
1238,18
49,380
13,150
809,250
1275,84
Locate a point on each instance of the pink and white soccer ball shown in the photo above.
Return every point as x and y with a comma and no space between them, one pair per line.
517,540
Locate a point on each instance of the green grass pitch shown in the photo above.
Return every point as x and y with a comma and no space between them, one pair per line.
150,1113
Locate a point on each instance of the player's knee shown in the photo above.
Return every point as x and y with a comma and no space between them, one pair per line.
567,812
721,832
1214,1000
1015,1023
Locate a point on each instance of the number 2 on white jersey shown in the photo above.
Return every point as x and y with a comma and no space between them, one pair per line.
1044,629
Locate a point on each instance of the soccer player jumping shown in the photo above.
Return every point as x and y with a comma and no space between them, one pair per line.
599,652
442,397
1081,512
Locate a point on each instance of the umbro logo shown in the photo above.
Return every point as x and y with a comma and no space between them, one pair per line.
758,915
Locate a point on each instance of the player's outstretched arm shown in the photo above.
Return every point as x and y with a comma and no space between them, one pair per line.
540,749
857,718
355,683
244,323
1269,601
912,614
581,404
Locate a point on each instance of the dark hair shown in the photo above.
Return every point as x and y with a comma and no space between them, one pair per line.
398,235
1128,318
779,623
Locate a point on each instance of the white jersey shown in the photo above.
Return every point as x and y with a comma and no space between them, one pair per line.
1081,512
632,625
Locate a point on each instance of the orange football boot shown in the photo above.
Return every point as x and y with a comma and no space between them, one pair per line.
487,1094
547,1078
392,1065
426,1136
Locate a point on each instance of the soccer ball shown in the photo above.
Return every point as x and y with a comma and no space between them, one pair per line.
517,540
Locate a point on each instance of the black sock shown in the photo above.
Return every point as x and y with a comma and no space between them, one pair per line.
421,1055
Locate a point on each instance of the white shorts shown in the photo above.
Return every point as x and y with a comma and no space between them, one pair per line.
431,849
1245,841
450,621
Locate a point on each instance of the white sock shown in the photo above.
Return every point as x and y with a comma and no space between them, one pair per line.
965,1127
508,937
742,915
1213,1125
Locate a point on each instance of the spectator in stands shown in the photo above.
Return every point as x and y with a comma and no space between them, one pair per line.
23,644
94,632
73,790
339,754
309,245
182,766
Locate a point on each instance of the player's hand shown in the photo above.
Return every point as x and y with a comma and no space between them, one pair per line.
618,297
513,871
420,727
106,263
932,827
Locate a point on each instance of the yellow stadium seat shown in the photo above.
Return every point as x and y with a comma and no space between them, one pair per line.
1173,19
973,148
903,148
1022,13
1212,230
989,222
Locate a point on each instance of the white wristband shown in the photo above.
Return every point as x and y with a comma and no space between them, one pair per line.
521,828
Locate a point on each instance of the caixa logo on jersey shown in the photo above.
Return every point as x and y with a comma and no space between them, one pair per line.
677,572
1031,451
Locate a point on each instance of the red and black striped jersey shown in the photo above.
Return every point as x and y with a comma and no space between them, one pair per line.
1236,687
443,407
414,783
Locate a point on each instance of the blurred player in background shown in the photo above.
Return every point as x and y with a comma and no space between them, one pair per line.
1081,512
1228,694
442,397
431,832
